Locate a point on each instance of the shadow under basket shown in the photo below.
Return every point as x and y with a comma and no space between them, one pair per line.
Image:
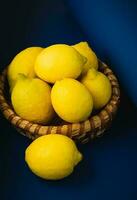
83,132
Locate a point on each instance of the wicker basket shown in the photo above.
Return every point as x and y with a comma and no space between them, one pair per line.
83,132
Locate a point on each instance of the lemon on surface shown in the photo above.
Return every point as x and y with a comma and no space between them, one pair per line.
52,156
71,100
99,86
23,63
31,99
84,49
59,61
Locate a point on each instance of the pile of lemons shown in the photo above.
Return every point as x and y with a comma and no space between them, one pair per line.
59,79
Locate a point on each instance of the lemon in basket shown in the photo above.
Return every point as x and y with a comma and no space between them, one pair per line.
52,156
99,86
23,63
84,49
71,100
59,61
31,99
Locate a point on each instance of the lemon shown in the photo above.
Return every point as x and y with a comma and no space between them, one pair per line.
99,86
71,100
23,63
52,156
57,62
86,51
31,99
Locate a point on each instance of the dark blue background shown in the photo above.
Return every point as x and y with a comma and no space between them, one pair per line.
109,168
111,27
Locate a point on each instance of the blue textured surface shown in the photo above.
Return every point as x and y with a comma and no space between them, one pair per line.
111,27
109,168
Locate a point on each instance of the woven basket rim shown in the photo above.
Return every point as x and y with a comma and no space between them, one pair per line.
37,129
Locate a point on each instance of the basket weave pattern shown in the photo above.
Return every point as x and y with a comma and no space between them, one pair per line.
83,132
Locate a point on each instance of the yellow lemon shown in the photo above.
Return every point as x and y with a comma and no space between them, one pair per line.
71,100
31,99
86,51
23,63
52,156
57,62
99,86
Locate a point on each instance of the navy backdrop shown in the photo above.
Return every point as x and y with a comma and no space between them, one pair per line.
108,170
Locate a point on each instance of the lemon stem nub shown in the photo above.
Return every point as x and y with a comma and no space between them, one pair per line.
78,158
92,73
21,76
